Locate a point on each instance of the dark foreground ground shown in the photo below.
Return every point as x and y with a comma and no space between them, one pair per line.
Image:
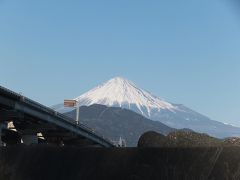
54,163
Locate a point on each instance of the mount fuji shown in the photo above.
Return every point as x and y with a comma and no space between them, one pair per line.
119,92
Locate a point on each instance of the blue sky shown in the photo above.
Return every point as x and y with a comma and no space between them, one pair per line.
183,51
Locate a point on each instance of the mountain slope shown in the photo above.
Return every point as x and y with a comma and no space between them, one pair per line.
119,92
123,93
114,122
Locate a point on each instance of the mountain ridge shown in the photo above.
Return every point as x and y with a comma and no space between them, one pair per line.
119,92
123,93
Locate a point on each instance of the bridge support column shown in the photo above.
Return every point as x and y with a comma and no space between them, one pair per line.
29,139
1,127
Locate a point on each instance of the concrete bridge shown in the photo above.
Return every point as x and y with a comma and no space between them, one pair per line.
23,120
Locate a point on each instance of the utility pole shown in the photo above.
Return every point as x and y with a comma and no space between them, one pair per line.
73,103
77,113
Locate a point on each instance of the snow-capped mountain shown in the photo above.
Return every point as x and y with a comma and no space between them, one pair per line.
119,92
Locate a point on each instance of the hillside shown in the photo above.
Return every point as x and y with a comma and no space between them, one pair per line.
178,139
183,138
114,122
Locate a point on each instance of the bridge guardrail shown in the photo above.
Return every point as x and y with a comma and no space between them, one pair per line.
11,93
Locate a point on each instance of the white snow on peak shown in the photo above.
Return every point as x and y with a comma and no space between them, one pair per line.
123,93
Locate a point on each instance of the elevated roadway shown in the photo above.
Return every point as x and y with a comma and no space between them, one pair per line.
23,120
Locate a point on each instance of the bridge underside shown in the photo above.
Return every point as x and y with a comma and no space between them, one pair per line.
17,128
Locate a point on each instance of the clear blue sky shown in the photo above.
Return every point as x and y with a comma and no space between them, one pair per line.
183,51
